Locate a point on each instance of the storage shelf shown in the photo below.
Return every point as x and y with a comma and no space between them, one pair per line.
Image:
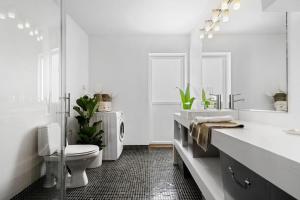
205,171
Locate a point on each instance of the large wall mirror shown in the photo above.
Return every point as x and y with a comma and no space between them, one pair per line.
248,56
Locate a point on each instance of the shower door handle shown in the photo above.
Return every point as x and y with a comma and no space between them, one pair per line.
67,99
68,105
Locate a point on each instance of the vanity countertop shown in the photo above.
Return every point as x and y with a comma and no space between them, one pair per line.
265,149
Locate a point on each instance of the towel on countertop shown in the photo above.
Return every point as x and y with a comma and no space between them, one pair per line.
225,118
201,132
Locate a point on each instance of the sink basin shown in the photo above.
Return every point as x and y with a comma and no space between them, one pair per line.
191,114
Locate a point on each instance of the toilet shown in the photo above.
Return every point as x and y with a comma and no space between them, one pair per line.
77,157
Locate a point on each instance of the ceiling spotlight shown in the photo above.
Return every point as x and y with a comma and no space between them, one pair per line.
31,33
41,38
11,15
38,39
27,25
225,15
20,26
2,16
236,4
210,36
36,32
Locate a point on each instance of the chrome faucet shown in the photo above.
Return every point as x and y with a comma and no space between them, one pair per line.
232,100
218,101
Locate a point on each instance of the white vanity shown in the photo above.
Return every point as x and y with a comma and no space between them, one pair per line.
268,151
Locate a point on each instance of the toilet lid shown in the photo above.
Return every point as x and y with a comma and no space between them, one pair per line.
76,150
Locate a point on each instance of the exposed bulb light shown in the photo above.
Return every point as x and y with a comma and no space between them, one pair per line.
215,14
208,24
216,27
41,38
27,25
2,16
36,32
225,4
31,33
236,4
210,36
202,35
20,26
225,15
11,15
38,39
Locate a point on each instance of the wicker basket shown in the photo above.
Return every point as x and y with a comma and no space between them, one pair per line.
105,102
280,96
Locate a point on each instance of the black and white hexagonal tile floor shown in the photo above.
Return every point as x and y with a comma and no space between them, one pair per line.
138,174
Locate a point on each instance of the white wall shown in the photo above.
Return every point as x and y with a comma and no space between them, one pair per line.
120,64
258,66
22,109
292,118
77,64
195,64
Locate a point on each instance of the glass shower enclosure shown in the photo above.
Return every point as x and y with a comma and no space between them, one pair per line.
32,95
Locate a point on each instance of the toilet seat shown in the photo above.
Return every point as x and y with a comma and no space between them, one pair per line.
79,152
76,152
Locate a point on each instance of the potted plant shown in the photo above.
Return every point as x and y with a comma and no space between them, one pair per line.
280,101
206,102
90,131
186,99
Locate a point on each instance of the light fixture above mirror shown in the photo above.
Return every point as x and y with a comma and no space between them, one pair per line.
218,15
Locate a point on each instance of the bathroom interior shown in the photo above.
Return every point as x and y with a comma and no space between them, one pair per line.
150,99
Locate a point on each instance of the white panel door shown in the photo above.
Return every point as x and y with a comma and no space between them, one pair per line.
216,74
167,73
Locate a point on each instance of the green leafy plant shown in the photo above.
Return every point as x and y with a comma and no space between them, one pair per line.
207,102
186,99
89,132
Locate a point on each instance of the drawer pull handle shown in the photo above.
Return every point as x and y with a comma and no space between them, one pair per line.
243,184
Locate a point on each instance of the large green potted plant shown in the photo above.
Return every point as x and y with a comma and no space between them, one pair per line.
90,130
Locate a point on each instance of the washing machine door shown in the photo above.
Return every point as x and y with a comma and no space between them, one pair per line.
121,131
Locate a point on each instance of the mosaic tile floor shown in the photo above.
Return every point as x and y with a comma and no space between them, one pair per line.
138,174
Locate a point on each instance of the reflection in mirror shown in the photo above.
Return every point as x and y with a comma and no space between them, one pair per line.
247,56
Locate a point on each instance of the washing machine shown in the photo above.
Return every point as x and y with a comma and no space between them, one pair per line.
114,132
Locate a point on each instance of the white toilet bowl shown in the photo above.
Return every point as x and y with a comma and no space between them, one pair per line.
78,158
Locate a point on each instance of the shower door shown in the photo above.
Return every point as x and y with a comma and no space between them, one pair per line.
32,94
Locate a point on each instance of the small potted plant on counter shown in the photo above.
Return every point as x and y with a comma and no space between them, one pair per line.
90,130
186,99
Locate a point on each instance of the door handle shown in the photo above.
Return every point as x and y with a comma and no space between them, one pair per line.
245,184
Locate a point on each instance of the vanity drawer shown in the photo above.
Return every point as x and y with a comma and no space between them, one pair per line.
242,183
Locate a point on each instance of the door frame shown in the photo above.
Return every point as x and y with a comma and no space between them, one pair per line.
184,81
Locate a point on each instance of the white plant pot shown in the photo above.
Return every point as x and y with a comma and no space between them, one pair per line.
97,162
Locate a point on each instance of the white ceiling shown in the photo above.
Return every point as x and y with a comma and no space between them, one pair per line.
123,17
137,16
251,19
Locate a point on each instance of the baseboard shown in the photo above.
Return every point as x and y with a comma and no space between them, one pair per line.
161,142
135,147
160,145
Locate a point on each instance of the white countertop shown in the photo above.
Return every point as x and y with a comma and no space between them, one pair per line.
267,150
